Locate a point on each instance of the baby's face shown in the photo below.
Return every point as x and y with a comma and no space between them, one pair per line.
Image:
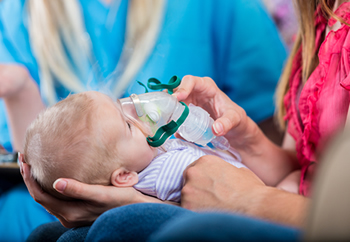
132,147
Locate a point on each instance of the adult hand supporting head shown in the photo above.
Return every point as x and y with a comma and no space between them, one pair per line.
93,199
230,119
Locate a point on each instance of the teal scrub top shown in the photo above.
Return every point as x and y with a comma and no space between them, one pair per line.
234,42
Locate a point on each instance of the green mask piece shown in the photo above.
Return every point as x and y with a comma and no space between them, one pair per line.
165,131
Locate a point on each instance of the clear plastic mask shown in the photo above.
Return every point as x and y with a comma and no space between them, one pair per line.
150,111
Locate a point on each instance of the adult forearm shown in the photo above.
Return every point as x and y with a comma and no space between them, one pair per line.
267,160
22,109
279,206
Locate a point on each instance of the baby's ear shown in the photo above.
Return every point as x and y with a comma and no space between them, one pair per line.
124,178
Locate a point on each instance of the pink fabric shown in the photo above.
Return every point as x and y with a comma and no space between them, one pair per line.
324,100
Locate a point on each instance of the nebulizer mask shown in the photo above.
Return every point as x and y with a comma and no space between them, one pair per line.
160,115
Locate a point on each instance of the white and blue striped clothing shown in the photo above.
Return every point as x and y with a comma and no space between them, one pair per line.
163,177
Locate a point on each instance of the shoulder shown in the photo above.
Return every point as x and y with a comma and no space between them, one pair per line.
180,147
13,20
216,11
169,181
12,10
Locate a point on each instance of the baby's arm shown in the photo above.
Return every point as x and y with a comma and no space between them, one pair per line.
169,182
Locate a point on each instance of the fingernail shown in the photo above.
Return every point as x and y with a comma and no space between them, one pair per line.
218,128
20,166
22,169
19,157
60,185
177,94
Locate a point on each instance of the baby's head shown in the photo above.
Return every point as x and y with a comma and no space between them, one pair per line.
88,138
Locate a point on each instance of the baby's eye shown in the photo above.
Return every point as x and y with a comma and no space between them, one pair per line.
129,125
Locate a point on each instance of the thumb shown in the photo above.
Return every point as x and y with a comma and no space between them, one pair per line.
60,185
73,188
218,128
224,124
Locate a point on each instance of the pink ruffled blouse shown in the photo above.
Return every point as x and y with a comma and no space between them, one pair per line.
319,109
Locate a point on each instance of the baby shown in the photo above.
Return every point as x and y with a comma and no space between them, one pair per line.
87,137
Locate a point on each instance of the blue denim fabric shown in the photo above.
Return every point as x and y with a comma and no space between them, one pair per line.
133,222
128,223
223,227
161,222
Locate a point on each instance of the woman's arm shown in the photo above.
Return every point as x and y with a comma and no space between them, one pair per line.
213,184
269,161
22,100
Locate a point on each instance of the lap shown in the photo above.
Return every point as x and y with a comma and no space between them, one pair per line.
161,222
223,227
134,222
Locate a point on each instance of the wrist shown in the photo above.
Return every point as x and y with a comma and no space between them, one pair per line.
279,206
261,196
250,142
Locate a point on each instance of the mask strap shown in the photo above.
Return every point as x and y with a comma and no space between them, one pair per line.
164,132
155,84
141,84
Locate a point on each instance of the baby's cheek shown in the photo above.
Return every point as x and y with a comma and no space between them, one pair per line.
154,152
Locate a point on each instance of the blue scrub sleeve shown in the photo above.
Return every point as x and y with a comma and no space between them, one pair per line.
255,60
14,49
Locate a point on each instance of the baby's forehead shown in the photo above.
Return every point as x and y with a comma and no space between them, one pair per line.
100,100
106,111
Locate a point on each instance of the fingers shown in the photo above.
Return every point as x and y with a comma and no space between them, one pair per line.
198,165
195,85
48,201
33,187
229,120
222,125
177,135
69,213
78,190
71,188
218,128
35,190
185,88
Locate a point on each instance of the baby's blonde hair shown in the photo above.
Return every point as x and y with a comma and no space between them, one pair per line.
61,143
